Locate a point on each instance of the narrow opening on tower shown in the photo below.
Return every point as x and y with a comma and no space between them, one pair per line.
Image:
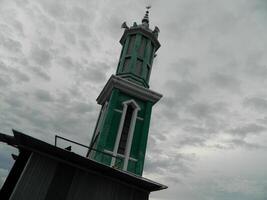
125,129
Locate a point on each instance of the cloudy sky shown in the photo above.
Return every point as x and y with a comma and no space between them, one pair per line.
208,136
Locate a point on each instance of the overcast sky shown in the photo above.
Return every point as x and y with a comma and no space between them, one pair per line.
207,137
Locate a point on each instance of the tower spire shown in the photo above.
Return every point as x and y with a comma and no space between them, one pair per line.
145,19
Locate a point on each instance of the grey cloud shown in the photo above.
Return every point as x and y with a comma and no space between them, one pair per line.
225,81
258,103
79,14
262,120
242,143
5,156
258,70
255,65
92,72
6,161
69,36
40,73
234,143
83,44
260,5
17,25
197,141
84,31
67,62
112,25
13,100
192,18
5,80
10,44
171,169
81,108
68,116
45,42
22,3
3,175
153,144
94,75
100,65
75,92
3,66
41,56
198,135
20,77
206,110
245,130
12,71
180,93
198,130
70,12
159,135
55,9
43,95
46,26
184,67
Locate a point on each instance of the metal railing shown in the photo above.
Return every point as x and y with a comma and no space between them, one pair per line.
119,160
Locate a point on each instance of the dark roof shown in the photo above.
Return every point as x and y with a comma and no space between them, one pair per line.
34,145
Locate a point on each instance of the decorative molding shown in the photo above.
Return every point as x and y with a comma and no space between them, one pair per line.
117,110
140,118
128,88
130,133
108,151
130,158
120,155
129,139
120,111
131,101
116,146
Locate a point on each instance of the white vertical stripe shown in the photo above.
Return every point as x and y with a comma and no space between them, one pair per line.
116,146
129,140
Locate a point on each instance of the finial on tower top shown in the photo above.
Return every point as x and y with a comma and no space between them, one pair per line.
146,18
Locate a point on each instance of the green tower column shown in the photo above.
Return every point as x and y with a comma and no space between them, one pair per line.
144,136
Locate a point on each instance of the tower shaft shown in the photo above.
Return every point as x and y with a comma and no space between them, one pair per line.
120,136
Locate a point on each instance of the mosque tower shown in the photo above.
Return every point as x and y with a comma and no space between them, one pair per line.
120,136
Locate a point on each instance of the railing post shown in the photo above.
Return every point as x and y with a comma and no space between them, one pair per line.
55,140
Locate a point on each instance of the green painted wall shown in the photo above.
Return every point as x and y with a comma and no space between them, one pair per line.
136,59
108,132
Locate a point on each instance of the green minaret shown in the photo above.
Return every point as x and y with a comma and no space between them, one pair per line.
120,136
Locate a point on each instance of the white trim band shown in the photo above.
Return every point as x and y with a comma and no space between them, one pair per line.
127,87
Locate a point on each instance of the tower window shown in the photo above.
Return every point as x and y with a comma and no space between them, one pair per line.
142,47
126,66
139,67
131,44
125,130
